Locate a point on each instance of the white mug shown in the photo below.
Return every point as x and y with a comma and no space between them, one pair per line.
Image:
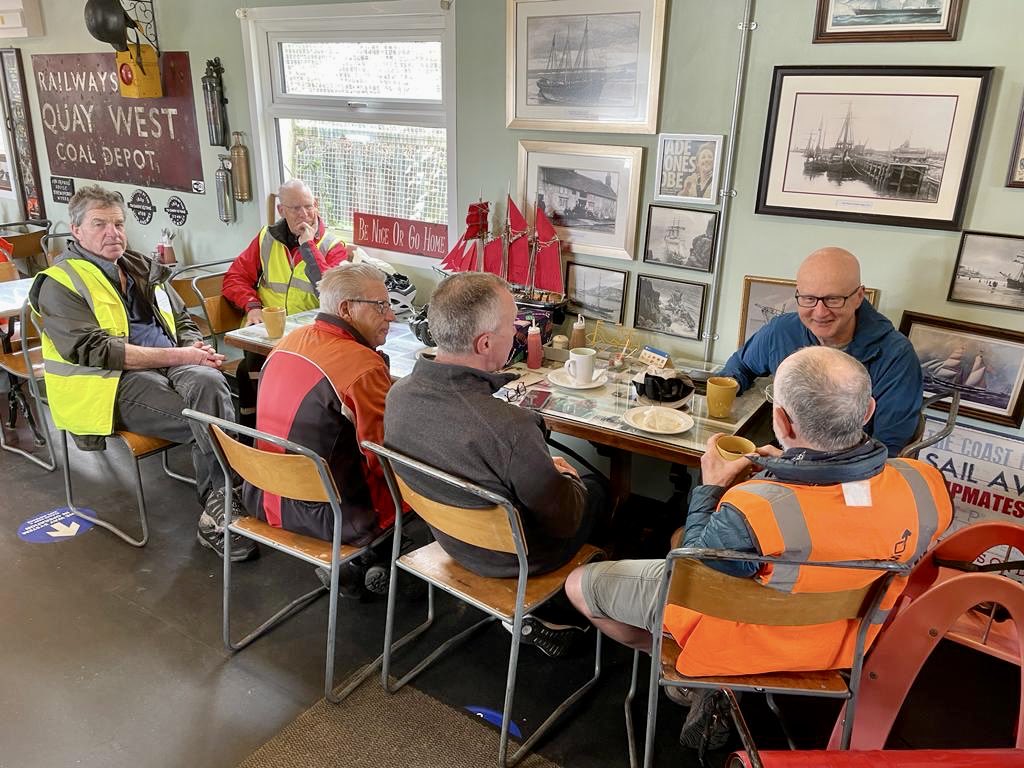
580,365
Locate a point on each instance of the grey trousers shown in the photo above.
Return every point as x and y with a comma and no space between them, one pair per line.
150,402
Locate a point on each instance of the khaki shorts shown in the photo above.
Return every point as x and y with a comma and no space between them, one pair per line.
625,591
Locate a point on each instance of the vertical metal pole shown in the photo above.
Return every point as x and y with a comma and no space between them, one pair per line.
727,192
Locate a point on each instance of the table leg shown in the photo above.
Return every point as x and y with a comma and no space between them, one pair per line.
621,473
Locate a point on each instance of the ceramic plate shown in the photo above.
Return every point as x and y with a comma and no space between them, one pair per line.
561,378
657,420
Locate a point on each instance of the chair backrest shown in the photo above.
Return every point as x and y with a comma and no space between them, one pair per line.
495,527
917,442
8,271
45,243
220,313
271,208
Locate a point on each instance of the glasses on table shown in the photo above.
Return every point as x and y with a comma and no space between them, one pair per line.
832,302
513,394
383,307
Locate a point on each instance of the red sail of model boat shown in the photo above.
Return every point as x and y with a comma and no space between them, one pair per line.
518,246
463,256
547,274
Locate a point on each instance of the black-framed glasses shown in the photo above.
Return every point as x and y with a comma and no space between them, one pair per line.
768,394
832,302
513,394
383,307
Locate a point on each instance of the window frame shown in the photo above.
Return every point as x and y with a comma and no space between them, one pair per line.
264,29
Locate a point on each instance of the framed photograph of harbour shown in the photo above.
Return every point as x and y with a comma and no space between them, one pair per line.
688,166
765,298
989,271
596,292
584,65
985,363
590,192
886,21
1015,175
680,237
673,307
876,145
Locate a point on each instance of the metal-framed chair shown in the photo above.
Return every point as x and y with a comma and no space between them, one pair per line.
27,363
499,528
690,583
45,240
295,472
919,442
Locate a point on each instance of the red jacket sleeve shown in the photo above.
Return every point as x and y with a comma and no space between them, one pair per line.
240,281
365,397
338,253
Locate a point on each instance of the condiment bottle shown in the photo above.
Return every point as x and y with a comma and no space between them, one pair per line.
534,353
579,333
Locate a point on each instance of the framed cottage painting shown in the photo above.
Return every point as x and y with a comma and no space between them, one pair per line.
584,65
679,237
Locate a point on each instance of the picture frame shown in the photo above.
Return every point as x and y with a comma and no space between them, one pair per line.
681,237
23,161
669,306
584,65
839,21
688,168
8,177
812,165
590,192
985,363
1015,173
978,275
597,293
764,298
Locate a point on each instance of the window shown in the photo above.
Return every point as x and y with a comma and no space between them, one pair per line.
357,100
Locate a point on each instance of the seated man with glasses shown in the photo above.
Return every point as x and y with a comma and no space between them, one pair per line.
831,311
324,387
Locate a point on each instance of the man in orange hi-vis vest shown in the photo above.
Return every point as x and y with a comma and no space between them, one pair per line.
830,494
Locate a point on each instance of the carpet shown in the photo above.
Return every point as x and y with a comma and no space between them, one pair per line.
371,729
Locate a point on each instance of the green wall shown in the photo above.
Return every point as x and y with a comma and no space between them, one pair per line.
912,267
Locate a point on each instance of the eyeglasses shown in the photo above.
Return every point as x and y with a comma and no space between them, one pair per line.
296,208
383,307
768,395
513,394
832,302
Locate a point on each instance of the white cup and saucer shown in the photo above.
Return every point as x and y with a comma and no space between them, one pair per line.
578,371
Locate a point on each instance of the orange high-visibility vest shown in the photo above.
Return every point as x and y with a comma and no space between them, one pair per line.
907,509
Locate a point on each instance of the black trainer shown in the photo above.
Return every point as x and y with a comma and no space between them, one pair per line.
350,580
553,639
708,723
211,528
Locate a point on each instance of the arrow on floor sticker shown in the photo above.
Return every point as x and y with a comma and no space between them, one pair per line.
61,529
54,527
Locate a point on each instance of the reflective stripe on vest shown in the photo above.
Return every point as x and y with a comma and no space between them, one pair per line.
280,284
927,511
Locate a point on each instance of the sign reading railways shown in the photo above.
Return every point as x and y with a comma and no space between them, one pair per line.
93,133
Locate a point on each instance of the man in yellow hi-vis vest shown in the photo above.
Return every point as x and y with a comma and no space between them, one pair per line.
121,353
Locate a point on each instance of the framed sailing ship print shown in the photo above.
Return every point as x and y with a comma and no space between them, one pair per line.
680,237
596,292
590,192
989,271
688,165
886,21
673,307
584,65
985,363
877,145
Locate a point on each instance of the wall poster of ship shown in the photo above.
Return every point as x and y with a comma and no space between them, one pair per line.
590,65
680,237
886,20
881,145
675,307
595,292
989,271
985,363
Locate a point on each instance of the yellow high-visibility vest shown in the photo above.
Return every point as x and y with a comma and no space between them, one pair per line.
281,285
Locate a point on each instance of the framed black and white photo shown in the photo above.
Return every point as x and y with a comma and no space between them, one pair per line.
880,21
584,65
877,145
989,271
590,192
680,237
673,307
595,292
688,165
1015,174
985,363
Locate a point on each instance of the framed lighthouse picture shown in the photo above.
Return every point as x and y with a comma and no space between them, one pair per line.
877,145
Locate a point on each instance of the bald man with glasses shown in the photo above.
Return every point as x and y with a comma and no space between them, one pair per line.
831,312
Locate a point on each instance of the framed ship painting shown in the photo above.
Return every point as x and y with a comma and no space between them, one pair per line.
985,363
876,145
584,65
688,165
595,292
680,237
589,192
886,21
989,271
1015,175
674,307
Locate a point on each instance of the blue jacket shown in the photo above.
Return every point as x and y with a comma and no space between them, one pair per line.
886,353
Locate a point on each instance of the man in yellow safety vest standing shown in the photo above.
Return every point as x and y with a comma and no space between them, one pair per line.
121,352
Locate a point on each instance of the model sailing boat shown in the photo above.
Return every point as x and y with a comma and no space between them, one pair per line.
531,262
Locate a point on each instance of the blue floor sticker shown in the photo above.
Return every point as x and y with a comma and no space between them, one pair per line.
494,718
54,526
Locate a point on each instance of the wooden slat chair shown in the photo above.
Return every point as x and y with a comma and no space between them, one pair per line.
691,583
499,528
298,473
26,363
181,281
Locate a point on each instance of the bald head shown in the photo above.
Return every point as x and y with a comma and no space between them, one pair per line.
826,395
830,263
296,186
834,274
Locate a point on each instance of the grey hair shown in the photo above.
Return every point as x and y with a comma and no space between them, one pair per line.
464,306
345,281
93,196
826,394
297,184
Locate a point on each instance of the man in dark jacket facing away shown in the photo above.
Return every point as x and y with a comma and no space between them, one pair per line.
445,414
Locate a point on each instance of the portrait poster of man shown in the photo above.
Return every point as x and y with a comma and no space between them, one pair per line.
688,167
